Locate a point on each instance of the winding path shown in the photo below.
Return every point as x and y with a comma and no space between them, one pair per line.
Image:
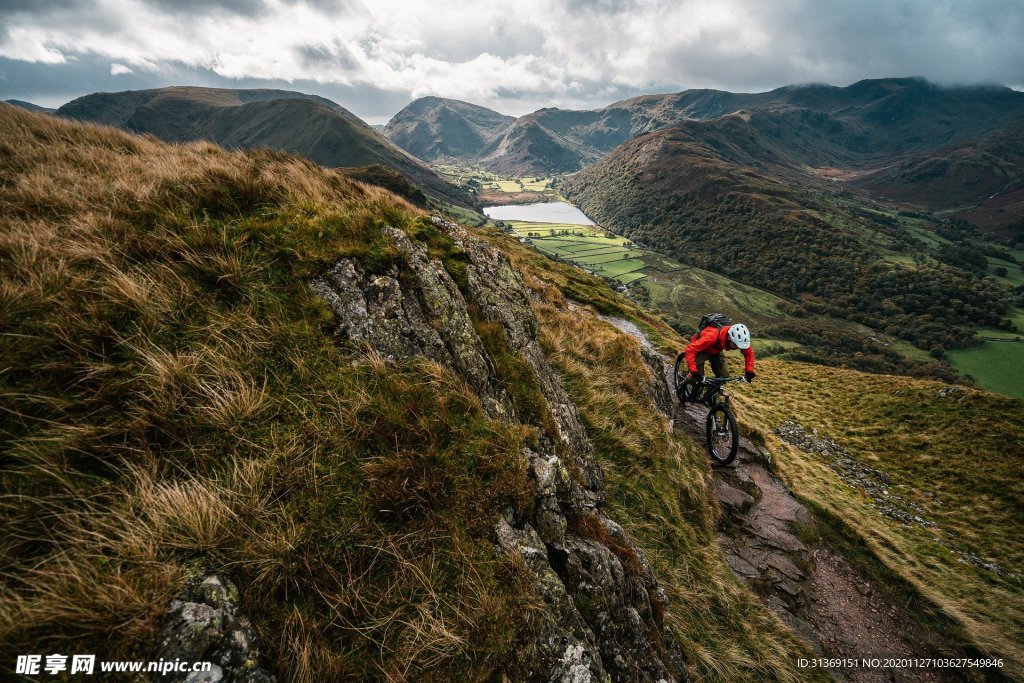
840,612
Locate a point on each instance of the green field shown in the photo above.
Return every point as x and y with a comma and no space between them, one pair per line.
587,246
484,182
1014,274
997,366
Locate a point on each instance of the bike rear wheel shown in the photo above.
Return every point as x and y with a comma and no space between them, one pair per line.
723,435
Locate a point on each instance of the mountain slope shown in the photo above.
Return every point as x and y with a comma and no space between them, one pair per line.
314,127
900,466
865,122
30,106
529,148
984,178
438,129
729,196
244,364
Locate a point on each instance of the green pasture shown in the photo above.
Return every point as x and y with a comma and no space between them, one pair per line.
1014,274
535,184
996,366
587,246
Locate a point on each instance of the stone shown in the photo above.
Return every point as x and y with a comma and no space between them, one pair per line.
204,625
602,603
731,498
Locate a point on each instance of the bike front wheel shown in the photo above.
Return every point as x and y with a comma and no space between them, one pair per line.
679,373
688,392
723,435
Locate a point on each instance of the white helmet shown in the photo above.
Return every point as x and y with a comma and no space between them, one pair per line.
740,336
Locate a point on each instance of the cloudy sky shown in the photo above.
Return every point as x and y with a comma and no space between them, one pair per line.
515,56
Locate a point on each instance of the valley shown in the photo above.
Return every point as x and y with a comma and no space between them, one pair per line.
848,211
682,292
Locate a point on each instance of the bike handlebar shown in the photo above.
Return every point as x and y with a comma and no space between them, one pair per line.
723,380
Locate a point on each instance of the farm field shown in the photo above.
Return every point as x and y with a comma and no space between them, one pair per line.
590,247
994,365
493,189
518,185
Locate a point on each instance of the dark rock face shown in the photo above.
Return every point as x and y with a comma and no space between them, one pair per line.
204,625
604,607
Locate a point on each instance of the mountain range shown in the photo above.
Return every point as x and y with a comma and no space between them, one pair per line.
788,199
860,124
311,126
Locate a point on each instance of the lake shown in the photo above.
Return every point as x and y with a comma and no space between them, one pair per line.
546,212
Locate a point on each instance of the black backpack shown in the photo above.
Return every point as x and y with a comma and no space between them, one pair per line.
713,320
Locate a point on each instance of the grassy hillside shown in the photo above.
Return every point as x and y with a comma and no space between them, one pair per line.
949,455
310,126
172,406
680,191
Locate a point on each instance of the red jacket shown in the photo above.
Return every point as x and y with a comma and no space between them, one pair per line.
713,341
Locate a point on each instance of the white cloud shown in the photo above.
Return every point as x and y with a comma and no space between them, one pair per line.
119,69
29,44
537,52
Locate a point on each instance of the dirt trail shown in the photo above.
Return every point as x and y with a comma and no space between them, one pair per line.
835,608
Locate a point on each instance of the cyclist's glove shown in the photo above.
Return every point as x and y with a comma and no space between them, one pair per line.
750,375
697,376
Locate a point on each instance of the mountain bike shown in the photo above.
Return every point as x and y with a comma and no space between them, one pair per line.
720,430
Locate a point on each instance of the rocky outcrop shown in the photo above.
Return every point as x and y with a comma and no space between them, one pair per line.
204,625
604,607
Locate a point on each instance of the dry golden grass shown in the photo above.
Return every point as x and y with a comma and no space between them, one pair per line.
171,406
956,453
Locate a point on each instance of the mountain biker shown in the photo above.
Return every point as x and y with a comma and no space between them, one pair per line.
709,344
